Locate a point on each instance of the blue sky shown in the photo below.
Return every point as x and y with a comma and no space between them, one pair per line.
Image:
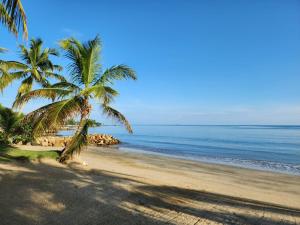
198,62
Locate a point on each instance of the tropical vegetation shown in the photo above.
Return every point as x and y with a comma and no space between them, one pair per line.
9,121
73,122
12,127
72,98
12,16
35,67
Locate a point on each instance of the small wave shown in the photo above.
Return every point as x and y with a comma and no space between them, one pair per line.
263,165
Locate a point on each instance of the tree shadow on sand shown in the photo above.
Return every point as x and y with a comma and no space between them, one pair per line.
38,193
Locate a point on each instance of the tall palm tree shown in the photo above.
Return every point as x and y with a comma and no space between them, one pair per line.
73,98
36,67
12,15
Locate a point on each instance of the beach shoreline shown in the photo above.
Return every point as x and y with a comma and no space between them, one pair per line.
141,152
194,170
115,186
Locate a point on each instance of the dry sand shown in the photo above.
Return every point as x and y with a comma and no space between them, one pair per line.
128,188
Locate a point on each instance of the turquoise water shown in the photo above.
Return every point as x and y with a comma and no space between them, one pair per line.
275,148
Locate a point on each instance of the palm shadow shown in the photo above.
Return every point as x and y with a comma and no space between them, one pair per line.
38,193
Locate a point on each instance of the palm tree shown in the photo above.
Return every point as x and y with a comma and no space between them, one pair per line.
12,15
36,67
73,98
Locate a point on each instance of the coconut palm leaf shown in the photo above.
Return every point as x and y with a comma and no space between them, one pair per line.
16,16
57,67
6,20
113,113
119,72
104,93
25,86
15,65
7,78
48,93
56,76
91,58
73,49
35,68
84,59
54,115
67,85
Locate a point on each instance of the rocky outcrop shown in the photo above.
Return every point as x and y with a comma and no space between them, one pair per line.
102,139
96,139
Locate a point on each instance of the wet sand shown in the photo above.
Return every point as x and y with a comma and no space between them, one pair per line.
129,188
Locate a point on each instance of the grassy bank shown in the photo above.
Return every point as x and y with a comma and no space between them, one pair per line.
8,153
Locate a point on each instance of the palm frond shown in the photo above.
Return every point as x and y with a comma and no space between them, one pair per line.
48,93
113,113
6,20
57,67
91,56
54,115
24,54
103,93
56,76
17,15
16,65
25,86
73,49
84,64
6,77
119,72
53,51
67,85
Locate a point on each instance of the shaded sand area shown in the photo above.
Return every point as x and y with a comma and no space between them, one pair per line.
128,188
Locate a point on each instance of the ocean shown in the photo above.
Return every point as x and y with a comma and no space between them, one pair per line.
263,147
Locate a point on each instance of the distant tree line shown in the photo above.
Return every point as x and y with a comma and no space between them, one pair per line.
94,123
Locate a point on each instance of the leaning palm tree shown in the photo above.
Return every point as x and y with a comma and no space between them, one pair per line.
35,67
12,15
73,98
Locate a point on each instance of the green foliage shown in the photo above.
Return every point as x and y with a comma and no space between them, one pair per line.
78,142
94,123
71,98
12,15
9,121
35,67
23,133
72,122
13,129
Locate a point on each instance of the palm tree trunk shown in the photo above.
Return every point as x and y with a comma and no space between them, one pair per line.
85,114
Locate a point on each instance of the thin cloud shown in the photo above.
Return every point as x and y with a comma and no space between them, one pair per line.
71,32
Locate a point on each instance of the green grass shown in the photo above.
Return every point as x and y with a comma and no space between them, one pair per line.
8,153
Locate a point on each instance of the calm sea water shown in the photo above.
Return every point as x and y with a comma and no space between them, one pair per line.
275,148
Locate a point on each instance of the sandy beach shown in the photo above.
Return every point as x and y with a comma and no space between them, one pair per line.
129,188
